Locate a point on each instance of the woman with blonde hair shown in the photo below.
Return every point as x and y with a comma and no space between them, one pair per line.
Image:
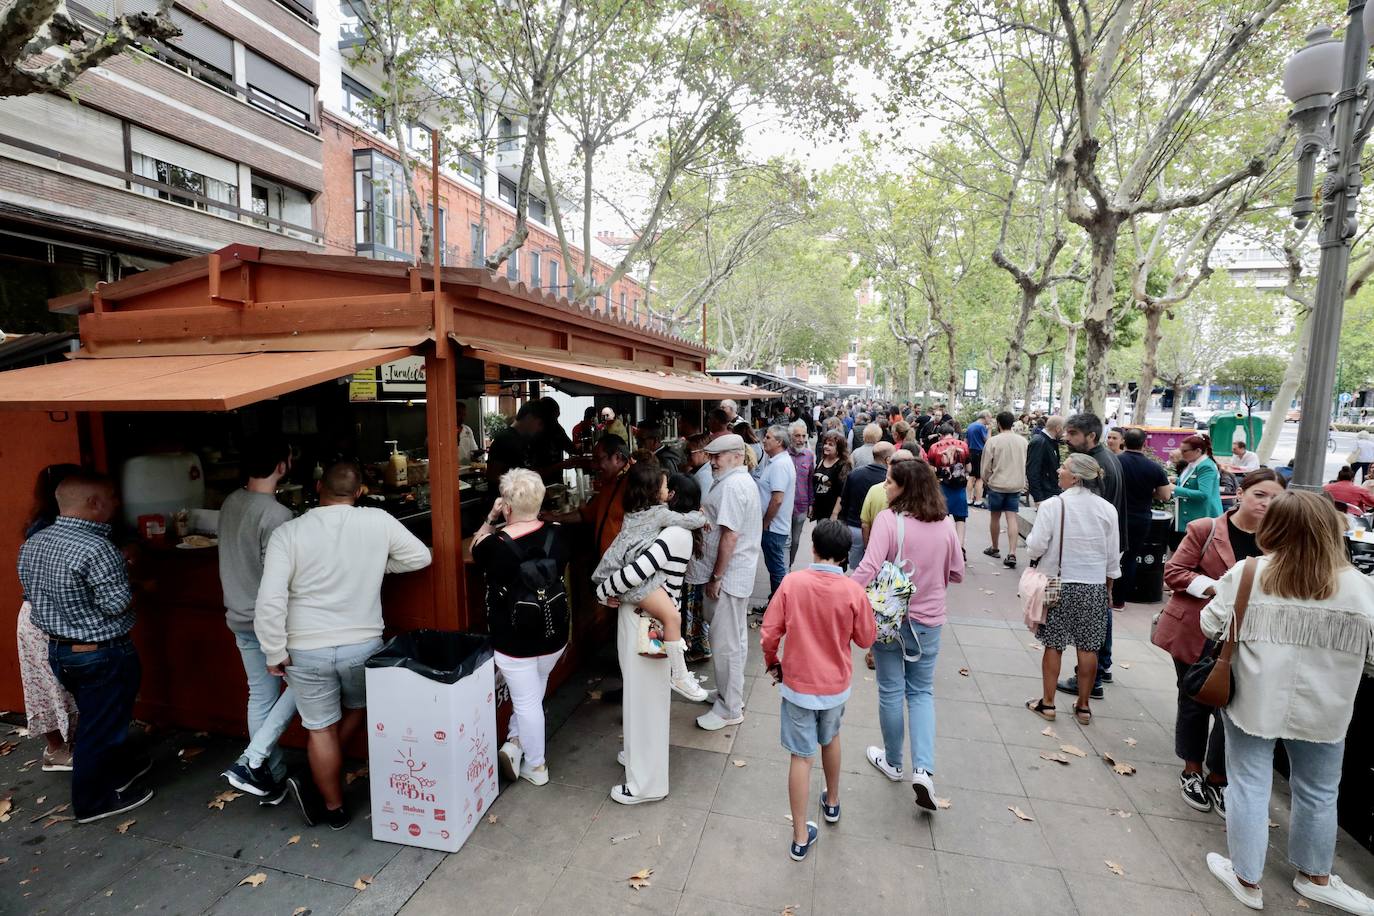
1306,633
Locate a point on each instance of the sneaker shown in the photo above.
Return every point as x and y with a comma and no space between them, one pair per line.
798,851
1104,677
336,818
690,688
255,781
992,552
924,787
509,757
1118,607
1336,893
876,757
140,769
1195,794
1010,561
831,813
1221,866
1217,795
276,796
1070,686
57,761
124,801
621,795
535,775
712,722
304,792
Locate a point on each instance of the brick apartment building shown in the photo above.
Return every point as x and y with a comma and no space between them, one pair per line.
244,129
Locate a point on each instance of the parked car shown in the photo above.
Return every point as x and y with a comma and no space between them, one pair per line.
1187,418
1293,416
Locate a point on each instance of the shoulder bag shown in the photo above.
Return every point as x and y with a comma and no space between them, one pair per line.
1035,583
1210,680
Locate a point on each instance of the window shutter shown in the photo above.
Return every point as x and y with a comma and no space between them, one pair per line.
272,80
202,42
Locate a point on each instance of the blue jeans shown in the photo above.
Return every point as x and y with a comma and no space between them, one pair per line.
1314,778
1104,654
775,559
898,680
104,683
856,547
270,708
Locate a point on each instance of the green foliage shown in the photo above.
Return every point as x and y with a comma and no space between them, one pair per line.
1254,378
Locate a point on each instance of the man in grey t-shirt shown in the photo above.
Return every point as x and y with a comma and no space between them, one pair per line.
246,522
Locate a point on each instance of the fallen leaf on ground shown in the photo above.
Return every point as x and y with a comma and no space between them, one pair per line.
254,880
1019,813
21,732
4,860
57,819
49,813
964,672
6,805
1303,904
1113,867
788,816
1034,645
1119,812
1070,749
594,694
301,911
190,753
7,748
295,838
219,800
124,826
362,883
1273,824
491,818
314,844
40,799
942,803
1054,757
356,775
1126,665
640,878
1122,769
1131,742
740,763
789,910
1049,732
623,837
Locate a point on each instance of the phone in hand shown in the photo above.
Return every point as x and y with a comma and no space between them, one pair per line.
775,672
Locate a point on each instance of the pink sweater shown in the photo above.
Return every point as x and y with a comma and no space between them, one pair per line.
936,561
819,613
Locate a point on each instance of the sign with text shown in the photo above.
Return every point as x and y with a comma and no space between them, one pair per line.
404,377
970,383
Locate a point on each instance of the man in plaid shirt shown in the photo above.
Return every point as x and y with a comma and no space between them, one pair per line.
78,584
805,463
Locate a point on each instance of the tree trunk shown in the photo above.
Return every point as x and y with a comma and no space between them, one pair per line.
1146,382
1018,336
925,381
1100,320
1292,377
1032,381
913,361
1179,388
1070,367
952,381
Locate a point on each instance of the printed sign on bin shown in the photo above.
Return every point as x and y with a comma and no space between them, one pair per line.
432,744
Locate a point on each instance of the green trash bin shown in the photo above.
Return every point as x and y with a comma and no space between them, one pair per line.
1223,430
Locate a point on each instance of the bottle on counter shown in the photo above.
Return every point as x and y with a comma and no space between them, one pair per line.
396,473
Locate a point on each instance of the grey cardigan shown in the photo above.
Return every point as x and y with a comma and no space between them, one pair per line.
638,534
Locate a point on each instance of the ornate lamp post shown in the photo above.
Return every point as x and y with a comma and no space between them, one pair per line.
1326,83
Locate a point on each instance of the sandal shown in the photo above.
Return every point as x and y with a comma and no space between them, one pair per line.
1083,714
1041,708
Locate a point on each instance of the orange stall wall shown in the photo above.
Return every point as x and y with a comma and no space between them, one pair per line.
29,442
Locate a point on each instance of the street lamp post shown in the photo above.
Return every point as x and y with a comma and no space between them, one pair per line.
1325,81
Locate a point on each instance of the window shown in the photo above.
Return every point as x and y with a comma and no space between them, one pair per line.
305,9
381,214
470,167
440,230
180,177
358,101
553,274
623,313
506,127
538,210
276,90
513,266
535,278
207,47
282,202
506,190
607,298
417,138
478,251
353,23
634,304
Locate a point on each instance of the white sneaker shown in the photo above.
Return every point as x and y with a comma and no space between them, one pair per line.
620,758
1337,893
690,688
876,757
712,722
510,756
924,787
1221,866
537,775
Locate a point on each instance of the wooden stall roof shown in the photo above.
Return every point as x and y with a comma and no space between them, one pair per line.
671,386
189,383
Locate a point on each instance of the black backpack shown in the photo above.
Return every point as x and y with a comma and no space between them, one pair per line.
537,601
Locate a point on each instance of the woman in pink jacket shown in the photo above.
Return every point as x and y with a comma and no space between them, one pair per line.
930,549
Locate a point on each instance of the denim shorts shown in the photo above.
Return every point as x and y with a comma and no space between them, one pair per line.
327,681
1003,502
804,729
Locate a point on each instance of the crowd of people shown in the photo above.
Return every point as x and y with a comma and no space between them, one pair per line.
680,529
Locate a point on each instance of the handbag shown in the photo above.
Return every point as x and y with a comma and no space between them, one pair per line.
1055,582
649,636
1210,680
890,592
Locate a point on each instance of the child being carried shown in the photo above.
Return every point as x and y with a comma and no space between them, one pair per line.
639,568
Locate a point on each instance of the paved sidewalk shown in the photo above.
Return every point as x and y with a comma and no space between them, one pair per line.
717,845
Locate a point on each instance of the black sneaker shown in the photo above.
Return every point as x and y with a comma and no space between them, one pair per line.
124,801
276,795
1070,686
1216,794
306,796
253,780
336,818
1195,794
138,770
1104,676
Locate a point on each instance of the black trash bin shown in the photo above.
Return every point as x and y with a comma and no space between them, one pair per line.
1148,585
431,737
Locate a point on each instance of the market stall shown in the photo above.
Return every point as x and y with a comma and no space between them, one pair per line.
345,357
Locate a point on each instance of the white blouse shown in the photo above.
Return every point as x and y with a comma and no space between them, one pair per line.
1092,541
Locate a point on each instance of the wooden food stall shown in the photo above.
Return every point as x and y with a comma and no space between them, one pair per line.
189,362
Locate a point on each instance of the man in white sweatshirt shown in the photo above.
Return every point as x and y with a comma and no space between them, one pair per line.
319,617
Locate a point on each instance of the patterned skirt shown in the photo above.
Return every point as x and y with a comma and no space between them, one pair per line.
1080,620
48,705
695,630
